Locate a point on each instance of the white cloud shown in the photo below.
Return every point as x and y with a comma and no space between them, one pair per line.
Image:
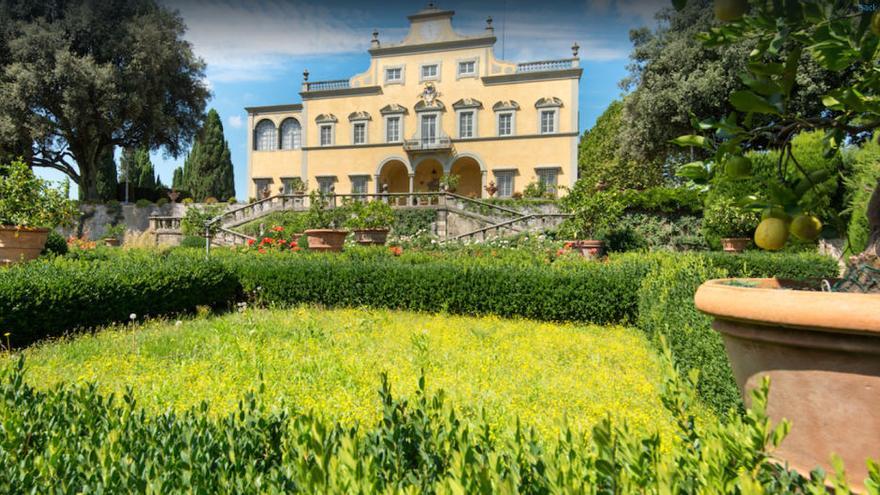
235,121
243,40
640,11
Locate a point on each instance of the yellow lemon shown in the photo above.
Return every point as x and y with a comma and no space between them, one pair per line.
771,234
805,227
730,10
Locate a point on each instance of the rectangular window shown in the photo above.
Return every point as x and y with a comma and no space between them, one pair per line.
392,129
326,184
466,125
504,183
429,71
505,124
360,133
549,177
359,184
261,186
429,129
468,68
394,74
326,135
548,121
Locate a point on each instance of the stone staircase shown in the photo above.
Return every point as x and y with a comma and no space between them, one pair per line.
494,221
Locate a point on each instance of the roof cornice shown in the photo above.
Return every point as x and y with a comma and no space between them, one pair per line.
430,14
533,76
336,93
476,42
294,107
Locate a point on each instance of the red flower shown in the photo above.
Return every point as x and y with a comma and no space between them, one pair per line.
568,245
296,248
560,252
396,250
266,240
278,228
250,242
262,251
281,242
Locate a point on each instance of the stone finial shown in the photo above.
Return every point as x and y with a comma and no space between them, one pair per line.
306,75
375,41
574,49
489,27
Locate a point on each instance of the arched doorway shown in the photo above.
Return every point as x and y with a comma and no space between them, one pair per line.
428,173
394,177
470,181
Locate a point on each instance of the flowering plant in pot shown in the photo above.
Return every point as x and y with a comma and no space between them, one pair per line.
325,222
449,182
371,222
29,208
821,348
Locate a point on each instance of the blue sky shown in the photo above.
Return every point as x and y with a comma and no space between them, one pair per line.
256,50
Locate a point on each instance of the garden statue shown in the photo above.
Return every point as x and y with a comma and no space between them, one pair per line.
173,195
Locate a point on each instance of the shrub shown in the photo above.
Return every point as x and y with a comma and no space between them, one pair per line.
579,291
210,200
370,215
191,241
666,309
231,201
143,203
420,445
723,218
409,222
162,202
860,185
29,201
55,244
196,217
324,215
189,201
49,298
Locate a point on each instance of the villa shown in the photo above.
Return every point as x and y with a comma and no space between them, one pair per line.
436,103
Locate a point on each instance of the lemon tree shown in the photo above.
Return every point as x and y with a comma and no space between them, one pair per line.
843,38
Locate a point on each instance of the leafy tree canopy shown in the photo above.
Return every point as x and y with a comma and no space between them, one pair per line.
79,76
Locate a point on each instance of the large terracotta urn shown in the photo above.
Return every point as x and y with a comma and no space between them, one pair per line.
326,239
735,244
821,351
588,248
371,237
21,243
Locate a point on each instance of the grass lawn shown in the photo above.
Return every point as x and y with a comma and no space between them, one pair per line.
330,360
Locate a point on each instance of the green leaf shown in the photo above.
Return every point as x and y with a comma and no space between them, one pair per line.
832,102
761,85
833,54
769,69
747,101
695,171
815,177
691,140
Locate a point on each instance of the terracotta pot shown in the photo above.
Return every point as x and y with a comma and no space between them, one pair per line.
589,248
326,239
821,351
735,244
374,237
111,241
21,244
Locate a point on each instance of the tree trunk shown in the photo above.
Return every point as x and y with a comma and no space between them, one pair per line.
86,157
874,223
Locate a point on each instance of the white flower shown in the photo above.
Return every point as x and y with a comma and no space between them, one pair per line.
178,323
132,316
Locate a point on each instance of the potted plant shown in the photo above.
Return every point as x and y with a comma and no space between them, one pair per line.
820,348
593,215
725,221
449,182
324,222
371,222
29,208
113,234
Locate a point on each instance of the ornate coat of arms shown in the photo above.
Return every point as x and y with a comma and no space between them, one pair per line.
429,94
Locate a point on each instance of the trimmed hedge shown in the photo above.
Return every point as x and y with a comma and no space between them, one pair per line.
666,308
597,292
49,298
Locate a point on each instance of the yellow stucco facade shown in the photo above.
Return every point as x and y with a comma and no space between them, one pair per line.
436,103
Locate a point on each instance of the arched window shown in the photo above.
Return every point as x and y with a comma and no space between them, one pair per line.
266,136
291,135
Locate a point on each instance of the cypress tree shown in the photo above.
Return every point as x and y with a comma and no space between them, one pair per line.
177,182
207,170
144,175
106,176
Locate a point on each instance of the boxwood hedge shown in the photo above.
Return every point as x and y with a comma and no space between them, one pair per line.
49,298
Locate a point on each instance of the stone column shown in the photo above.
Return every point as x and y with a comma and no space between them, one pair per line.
484,174
412,180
